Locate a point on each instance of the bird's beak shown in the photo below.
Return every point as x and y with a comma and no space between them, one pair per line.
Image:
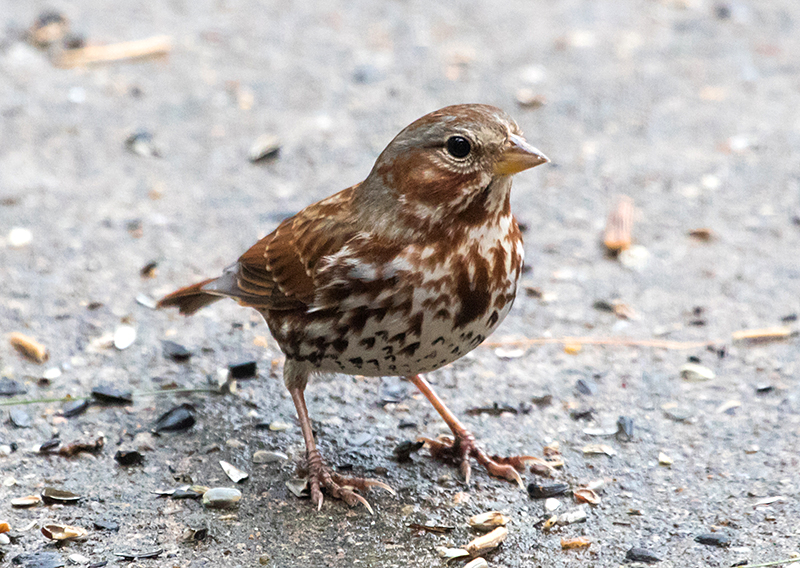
517,156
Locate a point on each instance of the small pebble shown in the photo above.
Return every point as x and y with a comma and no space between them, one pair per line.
696,373
104,524
146,301
278,426
9,387
41,559
664,459
402,452
265,456
586,386
175,351
221,497
265,146
551,504
78,559
52,373
19,418
141,143
298,487
624,429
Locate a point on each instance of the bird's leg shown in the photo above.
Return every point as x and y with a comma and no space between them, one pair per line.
464,447
320,475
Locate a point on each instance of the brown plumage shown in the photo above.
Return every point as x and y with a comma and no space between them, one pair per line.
398,275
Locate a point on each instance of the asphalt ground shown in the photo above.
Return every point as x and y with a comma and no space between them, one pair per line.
690,108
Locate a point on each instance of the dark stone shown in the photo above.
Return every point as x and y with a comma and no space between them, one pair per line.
713,539
108,394
45,559
586,386
10,387
104,524
624,429
175,351
641,555
19,418
128,457
402,452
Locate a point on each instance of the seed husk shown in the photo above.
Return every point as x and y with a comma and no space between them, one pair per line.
619,226
234,473
488,521
52,495
27,501
63,532
487,542
221,497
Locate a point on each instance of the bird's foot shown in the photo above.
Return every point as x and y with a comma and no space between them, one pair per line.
458,452
322,477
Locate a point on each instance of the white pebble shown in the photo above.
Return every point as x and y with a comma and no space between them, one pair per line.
124,336
19,237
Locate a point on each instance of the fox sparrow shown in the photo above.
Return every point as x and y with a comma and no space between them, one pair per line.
398,275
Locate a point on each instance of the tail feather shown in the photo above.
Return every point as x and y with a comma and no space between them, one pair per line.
189,299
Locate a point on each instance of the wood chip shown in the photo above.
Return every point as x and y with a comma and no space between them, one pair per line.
29,347
592,449
578,542
619,226
763,335
137,49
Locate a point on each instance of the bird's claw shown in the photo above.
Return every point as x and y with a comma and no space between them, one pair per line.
458,451
321,477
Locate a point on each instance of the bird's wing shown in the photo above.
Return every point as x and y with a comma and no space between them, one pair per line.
280,271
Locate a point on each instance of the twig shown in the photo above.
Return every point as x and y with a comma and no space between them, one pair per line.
135,395
659,343
148,47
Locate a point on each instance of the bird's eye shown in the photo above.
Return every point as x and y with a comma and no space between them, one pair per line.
458,146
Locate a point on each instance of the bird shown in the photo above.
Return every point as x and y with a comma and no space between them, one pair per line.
398,275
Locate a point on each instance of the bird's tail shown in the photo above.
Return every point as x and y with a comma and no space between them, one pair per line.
190,299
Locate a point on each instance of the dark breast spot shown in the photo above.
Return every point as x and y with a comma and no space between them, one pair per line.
493,318
368,342
474,294
409,350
